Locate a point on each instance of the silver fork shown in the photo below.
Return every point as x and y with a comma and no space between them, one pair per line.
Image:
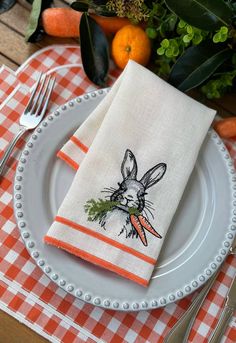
33,113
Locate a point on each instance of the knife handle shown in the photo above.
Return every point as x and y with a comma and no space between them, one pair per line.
222,324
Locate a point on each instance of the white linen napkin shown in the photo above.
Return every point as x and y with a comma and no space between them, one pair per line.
134,156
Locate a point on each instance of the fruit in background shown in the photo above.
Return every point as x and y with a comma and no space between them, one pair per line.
110,25
226,128
131,42
64,22
61,22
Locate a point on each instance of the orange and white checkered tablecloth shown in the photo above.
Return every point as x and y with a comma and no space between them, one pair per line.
29,295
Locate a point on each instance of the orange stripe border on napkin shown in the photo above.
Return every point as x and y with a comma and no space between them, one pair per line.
95,259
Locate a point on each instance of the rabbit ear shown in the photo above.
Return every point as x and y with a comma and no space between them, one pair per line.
129,166
153,175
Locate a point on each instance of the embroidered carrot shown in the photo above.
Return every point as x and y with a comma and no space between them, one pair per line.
145,223
138,227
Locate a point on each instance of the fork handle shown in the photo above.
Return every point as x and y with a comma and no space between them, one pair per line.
222,324
9,149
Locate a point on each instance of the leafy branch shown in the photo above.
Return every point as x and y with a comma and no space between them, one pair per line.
193,41
200,43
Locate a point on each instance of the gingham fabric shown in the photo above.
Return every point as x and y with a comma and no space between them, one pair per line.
29,295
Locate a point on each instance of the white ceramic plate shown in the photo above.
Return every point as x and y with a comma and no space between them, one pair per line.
198,240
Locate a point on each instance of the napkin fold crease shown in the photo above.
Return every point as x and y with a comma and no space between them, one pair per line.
133,157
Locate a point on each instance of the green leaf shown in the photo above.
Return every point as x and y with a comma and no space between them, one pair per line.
172,22
33,20
5,5
161,51
197,64
169,52
165,43
216,38
34,31
207,15
187,38
224,30
94,50
151,32
189,29
181,24
81,6
197,39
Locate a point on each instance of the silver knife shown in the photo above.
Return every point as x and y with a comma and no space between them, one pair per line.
226,315
181,330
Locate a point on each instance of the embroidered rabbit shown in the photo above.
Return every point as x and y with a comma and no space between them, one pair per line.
130,200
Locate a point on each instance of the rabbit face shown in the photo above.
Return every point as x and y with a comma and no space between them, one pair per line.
131,192
130,195
129,215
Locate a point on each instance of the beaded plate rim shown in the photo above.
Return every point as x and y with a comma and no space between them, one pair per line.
75,290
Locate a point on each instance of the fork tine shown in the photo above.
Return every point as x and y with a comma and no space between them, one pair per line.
50,89
37,111
35,101
33,93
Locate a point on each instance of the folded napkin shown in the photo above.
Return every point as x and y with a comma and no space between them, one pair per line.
134,155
